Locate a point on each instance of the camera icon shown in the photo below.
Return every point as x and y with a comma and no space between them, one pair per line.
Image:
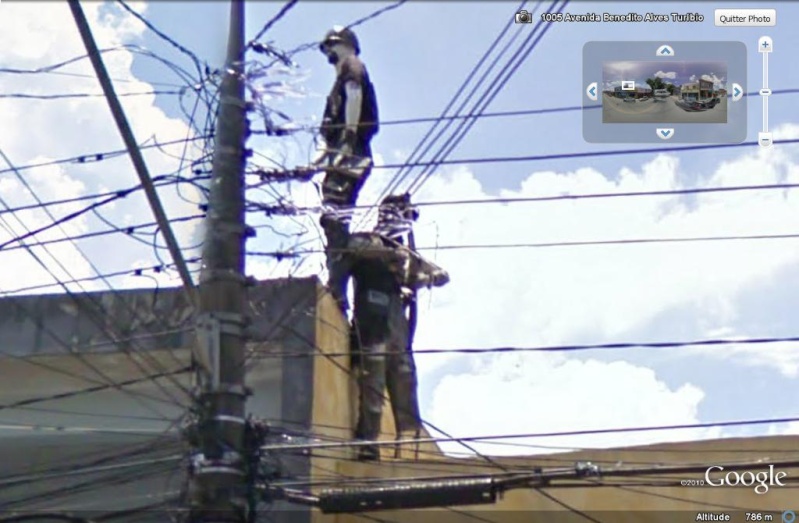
523,17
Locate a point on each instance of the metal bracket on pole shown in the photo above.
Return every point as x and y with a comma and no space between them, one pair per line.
225,229
210,327
209,331
222,467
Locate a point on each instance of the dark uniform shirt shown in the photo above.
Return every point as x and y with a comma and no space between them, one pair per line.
352,69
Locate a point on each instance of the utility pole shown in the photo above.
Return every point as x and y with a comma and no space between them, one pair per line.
218,483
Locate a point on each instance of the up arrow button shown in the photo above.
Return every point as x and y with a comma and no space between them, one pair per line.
665,50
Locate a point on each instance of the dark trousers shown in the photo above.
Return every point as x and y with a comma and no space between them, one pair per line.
340,194
384,362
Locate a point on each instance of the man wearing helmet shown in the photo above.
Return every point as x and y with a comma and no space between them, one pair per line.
350,121
381,268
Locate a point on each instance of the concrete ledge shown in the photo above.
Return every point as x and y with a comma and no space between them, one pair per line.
142,320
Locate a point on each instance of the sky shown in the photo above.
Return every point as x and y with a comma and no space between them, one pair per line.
418,55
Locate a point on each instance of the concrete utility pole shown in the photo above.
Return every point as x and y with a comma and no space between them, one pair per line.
218,483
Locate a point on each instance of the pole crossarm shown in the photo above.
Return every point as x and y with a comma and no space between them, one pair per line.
133,149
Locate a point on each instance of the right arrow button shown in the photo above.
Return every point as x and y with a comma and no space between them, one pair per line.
737,92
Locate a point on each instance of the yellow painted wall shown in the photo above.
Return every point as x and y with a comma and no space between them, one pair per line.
658,497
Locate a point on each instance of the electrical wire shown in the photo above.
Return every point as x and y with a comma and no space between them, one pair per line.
161,446
45,516
100,156
129,230
542,245
490,114
592,432
81,303
587,154
80,357
468,460
69,96
556,348
163,180
90,390
126,272
428,140
287,208
130,475
162,35
272,21
383,10
375,14
344,479
82,159
314,298
565,505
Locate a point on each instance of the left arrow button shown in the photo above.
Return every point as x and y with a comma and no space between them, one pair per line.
592,91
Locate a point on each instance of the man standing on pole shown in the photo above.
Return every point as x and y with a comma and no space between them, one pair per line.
350,122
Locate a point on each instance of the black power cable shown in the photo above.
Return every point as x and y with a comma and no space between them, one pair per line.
45,517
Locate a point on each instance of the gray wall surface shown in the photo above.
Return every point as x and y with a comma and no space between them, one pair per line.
100,447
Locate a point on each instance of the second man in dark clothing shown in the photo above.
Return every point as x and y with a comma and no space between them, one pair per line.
381,331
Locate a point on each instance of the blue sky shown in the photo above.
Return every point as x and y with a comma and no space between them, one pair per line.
417,56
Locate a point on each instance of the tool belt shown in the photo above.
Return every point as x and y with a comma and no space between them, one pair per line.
344,179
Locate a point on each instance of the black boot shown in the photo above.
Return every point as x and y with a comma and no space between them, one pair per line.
369,453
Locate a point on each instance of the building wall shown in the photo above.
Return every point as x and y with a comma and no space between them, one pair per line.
57,345
302,381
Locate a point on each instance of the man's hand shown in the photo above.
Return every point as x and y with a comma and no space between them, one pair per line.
347,147
322,156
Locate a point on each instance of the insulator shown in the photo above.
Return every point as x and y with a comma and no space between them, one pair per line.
409,495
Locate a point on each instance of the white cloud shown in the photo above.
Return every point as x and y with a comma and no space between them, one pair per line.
718,82
784,429
551,296
671,75
33,131
605,290
542,394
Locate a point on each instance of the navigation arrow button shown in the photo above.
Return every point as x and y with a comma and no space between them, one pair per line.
665,134
737,92
591,91
665,50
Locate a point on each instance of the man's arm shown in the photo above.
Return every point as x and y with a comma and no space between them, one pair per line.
352,113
